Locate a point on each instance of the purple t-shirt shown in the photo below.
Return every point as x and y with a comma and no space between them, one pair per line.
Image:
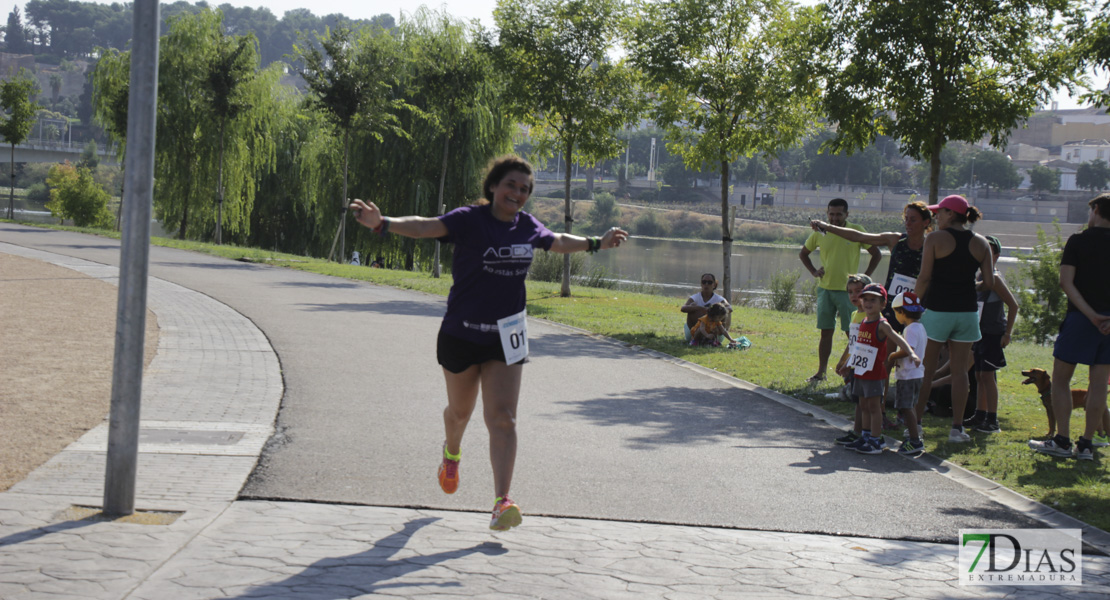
491,261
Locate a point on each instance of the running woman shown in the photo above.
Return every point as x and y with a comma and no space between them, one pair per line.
482,341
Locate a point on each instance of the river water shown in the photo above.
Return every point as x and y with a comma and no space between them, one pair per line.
674,267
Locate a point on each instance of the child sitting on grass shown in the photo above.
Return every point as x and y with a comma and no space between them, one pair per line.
868,364
710,328
908,310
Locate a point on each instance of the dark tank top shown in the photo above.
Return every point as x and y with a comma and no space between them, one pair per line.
903,260
952,287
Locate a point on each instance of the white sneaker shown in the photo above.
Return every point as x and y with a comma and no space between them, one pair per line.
958,436
920,433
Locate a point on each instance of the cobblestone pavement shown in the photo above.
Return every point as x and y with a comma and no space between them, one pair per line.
210,398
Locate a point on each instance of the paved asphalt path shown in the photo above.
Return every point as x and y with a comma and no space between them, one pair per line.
605,431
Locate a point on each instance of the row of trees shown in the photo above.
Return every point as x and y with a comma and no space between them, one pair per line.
727,80
68,28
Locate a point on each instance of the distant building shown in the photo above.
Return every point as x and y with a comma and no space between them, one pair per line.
1081,151
1025,152
1067,173
1053,128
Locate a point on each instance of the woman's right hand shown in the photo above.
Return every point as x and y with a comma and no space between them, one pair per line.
366,214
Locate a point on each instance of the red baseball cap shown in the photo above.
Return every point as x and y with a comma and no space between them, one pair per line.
955,203
875,289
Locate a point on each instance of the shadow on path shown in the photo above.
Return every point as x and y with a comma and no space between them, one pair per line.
363,573
45,530
418,309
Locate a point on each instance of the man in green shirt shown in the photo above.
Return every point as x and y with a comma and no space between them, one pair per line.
839,258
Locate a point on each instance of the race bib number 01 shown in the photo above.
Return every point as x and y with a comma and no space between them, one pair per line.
514,336
863,358
900,283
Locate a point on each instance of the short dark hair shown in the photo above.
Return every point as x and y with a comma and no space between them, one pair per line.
841,202
1101,204
502,166
717,311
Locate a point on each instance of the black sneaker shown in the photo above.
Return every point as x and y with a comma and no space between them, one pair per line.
846,439
988,427
975,421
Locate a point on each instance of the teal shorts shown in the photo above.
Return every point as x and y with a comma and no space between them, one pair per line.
829,304
951,326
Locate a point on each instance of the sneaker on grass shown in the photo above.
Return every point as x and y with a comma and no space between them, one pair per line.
1084,449
1053,447
1100,441
988,427
920,432
957,436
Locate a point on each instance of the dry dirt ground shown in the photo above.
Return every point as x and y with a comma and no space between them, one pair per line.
57,340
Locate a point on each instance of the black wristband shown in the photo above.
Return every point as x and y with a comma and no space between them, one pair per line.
593,244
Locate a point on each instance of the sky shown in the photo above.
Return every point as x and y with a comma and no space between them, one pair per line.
464,9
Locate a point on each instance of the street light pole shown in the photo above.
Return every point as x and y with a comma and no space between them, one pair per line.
971,184
127,371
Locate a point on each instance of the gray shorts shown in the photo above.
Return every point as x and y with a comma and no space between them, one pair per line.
906,392
867,388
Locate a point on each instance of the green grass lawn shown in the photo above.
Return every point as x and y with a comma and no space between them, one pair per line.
783,354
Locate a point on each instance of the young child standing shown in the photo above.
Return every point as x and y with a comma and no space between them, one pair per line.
711,327
908,311
987,353
868,365
854,287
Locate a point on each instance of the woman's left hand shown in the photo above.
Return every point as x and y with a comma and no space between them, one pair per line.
613,238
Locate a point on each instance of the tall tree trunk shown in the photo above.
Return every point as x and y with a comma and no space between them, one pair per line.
11,191
568,218
934,169
439,198
220,190
185,212
726,236
343,211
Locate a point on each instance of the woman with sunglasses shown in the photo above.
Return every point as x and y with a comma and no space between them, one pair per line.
697,305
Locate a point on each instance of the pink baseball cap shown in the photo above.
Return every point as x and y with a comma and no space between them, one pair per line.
955,203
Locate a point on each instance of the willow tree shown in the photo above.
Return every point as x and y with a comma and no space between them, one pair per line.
926,72
18,118
561,82
729,82
111,89
229,73
451,80
188,152
351,76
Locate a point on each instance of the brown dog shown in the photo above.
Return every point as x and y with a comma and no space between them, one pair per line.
1040,378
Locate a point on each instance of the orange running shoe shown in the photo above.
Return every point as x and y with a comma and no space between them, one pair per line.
448,474
506,515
